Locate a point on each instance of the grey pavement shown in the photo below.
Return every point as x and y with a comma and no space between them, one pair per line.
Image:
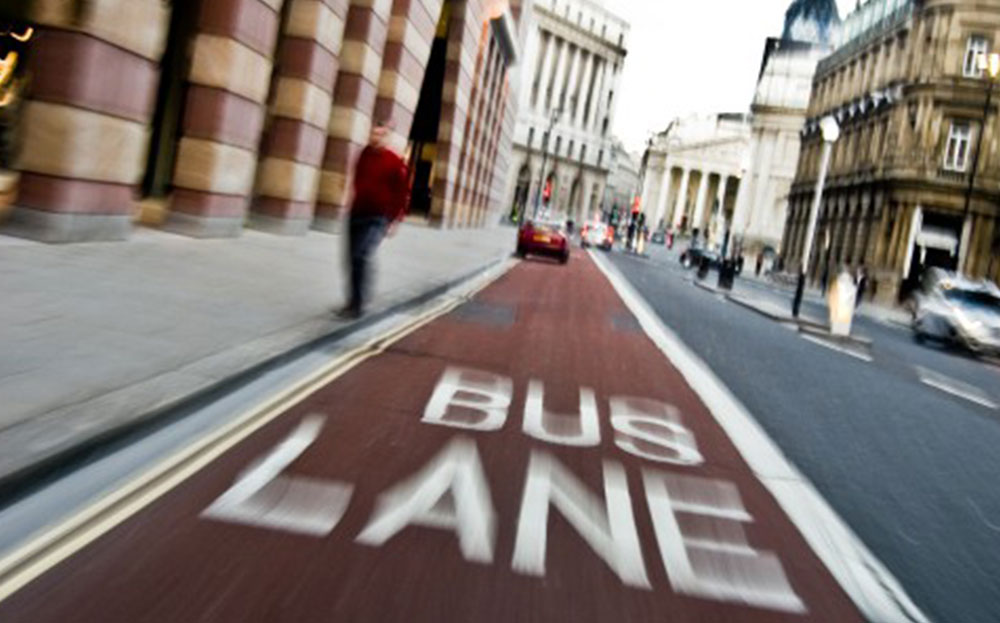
96,336
911,467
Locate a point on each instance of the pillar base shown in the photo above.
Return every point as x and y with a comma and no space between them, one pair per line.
62,227
279,226
204,226
328,225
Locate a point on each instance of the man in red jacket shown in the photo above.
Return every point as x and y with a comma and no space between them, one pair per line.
381,199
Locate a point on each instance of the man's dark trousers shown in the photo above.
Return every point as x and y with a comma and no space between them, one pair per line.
364,235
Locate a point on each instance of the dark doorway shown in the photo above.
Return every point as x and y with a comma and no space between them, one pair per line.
170,100
427,121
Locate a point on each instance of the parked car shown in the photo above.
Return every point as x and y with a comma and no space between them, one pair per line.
693,256
958,311
543,238
597,234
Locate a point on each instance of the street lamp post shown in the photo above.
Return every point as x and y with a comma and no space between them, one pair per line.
989,64
831,132
553,119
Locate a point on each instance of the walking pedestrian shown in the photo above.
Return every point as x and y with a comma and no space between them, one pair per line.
381,199
862,283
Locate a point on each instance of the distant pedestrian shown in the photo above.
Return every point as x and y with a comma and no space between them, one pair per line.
862,284
381,199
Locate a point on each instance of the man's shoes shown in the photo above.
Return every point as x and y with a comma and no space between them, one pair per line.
349,313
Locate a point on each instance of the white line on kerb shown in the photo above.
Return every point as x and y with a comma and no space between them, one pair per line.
872,588
955,388
837,347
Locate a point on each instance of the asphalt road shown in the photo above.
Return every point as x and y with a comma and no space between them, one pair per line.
911,468
531,456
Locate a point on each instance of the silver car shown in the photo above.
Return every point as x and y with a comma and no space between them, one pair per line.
959,311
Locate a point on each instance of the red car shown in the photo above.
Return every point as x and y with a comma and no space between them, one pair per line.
540,238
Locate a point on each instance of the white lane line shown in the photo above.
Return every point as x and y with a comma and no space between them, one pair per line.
956,388
837,347
872,588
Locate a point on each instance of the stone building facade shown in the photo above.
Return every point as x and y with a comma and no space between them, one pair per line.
569,82
905,87
777,115
623,181
211,115
693,173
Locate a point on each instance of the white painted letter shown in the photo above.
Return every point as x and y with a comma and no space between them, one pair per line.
581,431
652,430
709,556
612,535
470,400
422,500
264,498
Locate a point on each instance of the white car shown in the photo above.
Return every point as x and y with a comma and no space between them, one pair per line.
961,312
597,234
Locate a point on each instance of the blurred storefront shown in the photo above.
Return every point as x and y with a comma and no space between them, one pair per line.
209,116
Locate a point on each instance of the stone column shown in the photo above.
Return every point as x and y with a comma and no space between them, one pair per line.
699,203
85,124
228,84
595,122
662,199
353,106
581,91
721,198
552,89
682,199
548,62
569,82
591,107
864,229
294,144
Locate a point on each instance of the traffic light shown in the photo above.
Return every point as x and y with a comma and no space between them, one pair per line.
547,192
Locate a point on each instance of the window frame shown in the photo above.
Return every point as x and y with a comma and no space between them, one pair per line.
971,56
951,156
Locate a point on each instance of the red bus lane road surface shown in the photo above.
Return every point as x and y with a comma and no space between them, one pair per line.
532,456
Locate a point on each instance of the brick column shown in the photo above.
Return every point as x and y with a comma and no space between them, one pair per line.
86,123
228,84
353,106
295,141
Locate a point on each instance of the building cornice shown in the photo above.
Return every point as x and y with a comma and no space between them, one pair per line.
568,30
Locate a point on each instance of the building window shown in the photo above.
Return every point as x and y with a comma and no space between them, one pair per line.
976,47
956,154
604,31
600,157
558,145
583,153
531,137
592,24
569,152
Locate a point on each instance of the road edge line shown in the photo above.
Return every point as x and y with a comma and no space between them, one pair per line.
869,584
52,546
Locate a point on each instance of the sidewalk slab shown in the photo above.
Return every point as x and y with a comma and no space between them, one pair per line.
99,336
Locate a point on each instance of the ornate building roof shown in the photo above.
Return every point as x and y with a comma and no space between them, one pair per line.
812,21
